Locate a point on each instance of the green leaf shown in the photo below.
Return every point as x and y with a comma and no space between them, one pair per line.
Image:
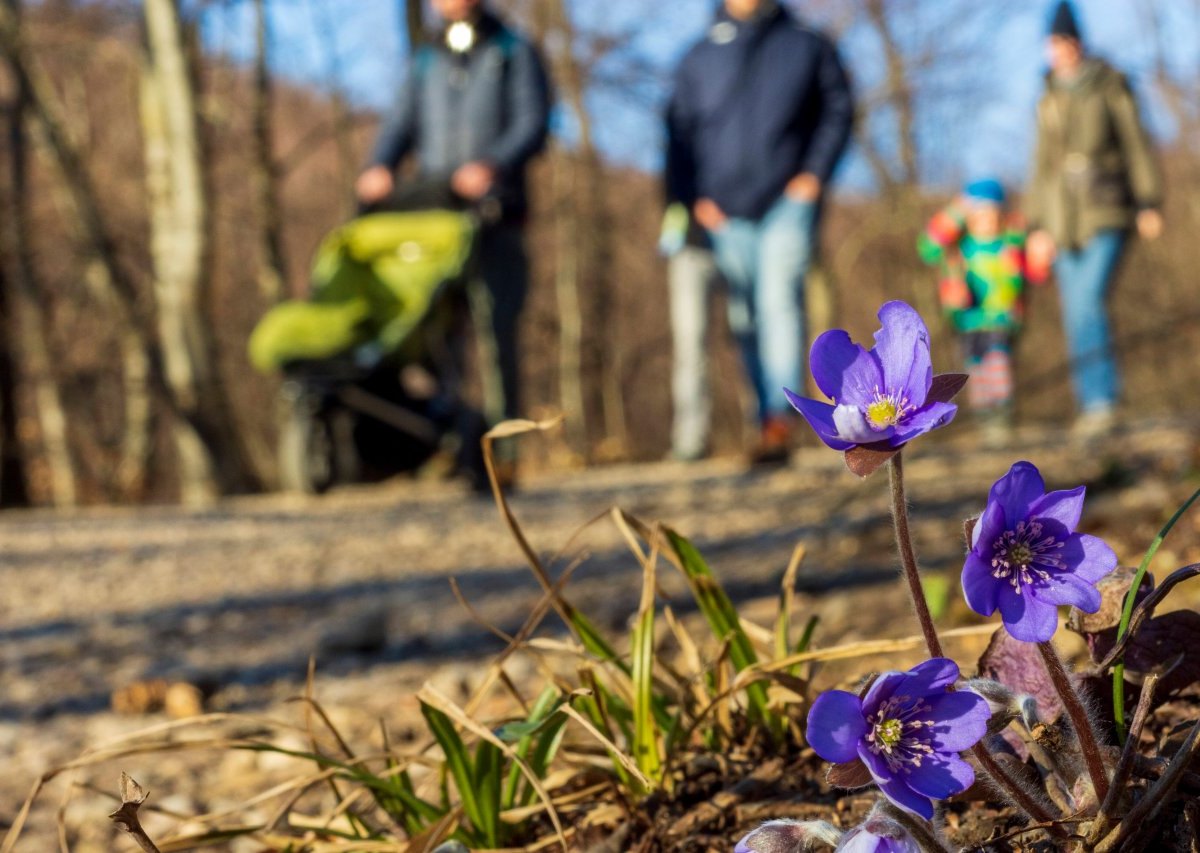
488,775
645,728
722,618
1127,614
458,762
542,716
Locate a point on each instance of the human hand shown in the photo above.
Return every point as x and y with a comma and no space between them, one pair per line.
804,187
709,214
375,184
1149,224
473,180
1040,249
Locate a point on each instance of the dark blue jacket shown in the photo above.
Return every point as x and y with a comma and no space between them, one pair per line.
490,104
755,104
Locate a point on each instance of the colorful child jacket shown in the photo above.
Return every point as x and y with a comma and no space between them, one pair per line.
983,281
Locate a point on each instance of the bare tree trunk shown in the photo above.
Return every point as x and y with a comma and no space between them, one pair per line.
13,491
175,190
591,233
900,93
272,269
30,325
343,121
566,292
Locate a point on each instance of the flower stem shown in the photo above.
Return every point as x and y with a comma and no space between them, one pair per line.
908,556
1024,800
1073,705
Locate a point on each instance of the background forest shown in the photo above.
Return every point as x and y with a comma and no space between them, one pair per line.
158,193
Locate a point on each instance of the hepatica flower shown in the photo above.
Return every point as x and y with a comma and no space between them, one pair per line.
788,836
883,397
1026,558
878,837
908,732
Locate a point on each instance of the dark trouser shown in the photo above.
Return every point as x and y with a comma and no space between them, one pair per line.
496,298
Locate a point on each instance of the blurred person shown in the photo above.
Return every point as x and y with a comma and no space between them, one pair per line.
760,115
473,111
692,276
982,290
1094,178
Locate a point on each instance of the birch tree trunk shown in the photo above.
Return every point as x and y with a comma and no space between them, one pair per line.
175,191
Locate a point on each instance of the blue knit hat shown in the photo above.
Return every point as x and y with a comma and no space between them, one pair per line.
985,189
1065,22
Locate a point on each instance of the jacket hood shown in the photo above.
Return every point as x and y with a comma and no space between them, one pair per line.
1093,72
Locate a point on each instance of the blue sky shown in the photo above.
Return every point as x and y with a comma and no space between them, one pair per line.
962,135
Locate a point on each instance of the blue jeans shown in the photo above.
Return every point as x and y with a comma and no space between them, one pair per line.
1083,280
692,276
764,263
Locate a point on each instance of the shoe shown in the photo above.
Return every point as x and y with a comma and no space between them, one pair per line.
686,455
775,443
1094,423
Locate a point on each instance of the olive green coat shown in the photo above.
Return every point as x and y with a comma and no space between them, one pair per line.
1093,167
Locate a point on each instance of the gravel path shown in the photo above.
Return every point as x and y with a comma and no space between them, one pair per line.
236,599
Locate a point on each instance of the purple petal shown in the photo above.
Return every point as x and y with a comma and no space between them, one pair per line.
1016,491
898,792
961,720
852,426
1066,588
988,529
892,787
941,776
860,840
820,417
1064,507
836,726
845,372
1026,618
902,347
923,420
882,688
1089,557
931,676
979,587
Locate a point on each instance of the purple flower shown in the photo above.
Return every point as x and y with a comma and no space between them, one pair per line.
788,836
907,730
883,397
1026,559
873,837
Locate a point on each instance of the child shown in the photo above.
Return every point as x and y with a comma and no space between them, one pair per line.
984,272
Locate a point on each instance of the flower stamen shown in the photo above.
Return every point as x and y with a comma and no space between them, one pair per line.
887,409
1026,555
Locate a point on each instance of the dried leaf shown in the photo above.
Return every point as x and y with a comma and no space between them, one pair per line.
1019,667
1165,645
126,817
1112,589
865,459
852,774
945,387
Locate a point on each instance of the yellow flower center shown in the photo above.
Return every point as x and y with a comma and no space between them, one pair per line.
883,413
888,733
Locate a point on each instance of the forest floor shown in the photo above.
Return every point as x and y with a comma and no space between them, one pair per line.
236,599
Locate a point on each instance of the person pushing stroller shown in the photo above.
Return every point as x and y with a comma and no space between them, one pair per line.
473,111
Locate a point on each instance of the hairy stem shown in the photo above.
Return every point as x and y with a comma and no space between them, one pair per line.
1024,800
1073,705
908,556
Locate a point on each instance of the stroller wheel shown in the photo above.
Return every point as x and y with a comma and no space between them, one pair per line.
316,450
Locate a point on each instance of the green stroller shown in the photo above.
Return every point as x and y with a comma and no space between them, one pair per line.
371,361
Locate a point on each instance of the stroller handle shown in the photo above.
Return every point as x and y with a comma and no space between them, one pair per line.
433,192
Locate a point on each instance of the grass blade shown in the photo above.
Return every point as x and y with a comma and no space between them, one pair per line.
458,762
646,740
1127,613
722,617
